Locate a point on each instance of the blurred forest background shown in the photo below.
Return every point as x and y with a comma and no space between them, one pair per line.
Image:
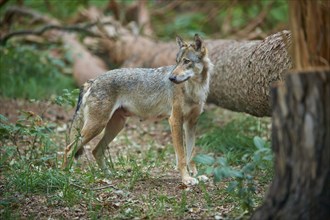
49,60
46,45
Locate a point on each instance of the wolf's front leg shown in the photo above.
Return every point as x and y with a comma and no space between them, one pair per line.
190,129
176,122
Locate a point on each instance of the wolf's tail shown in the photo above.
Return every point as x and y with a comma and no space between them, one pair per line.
78,118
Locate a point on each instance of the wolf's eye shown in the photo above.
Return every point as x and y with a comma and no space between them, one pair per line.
186,61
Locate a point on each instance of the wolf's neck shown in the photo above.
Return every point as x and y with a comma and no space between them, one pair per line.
197,89
207,70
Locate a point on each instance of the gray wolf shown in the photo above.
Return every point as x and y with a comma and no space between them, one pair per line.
176,92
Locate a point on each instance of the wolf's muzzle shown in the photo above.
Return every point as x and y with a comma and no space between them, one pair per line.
172,78
176,81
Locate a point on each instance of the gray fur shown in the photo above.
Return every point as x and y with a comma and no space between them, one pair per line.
145,92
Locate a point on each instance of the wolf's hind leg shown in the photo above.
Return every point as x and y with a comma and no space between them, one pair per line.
114,126
92,127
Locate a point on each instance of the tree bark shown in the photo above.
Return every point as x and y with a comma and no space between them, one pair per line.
301,143
309,21
244,72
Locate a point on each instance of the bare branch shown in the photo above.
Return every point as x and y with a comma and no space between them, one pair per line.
22,11
73,28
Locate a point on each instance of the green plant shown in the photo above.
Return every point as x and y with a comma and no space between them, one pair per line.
30,130
189,23
241,184
29,164
28,72
233,139
67,98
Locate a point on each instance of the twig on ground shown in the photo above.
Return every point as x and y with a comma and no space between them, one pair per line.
95,188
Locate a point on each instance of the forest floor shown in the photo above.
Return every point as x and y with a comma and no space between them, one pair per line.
145,183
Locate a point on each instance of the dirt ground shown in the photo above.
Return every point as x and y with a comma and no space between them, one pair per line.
161,181
11,108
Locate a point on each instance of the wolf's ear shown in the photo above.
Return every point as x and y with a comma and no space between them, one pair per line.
180,41
198,42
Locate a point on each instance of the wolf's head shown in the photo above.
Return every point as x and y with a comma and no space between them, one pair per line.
189,60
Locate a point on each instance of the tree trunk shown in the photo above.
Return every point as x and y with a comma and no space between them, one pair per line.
301,122
301,143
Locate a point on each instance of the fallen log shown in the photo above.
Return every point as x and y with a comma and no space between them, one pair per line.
244,72
85,64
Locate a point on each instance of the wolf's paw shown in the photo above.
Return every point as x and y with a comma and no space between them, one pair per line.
202,178
190,181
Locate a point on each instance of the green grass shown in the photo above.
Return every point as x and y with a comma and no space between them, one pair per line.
234,137
137,191
27,72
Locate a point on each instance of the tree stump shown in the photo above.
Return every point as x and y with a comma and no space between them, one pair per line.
301,143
